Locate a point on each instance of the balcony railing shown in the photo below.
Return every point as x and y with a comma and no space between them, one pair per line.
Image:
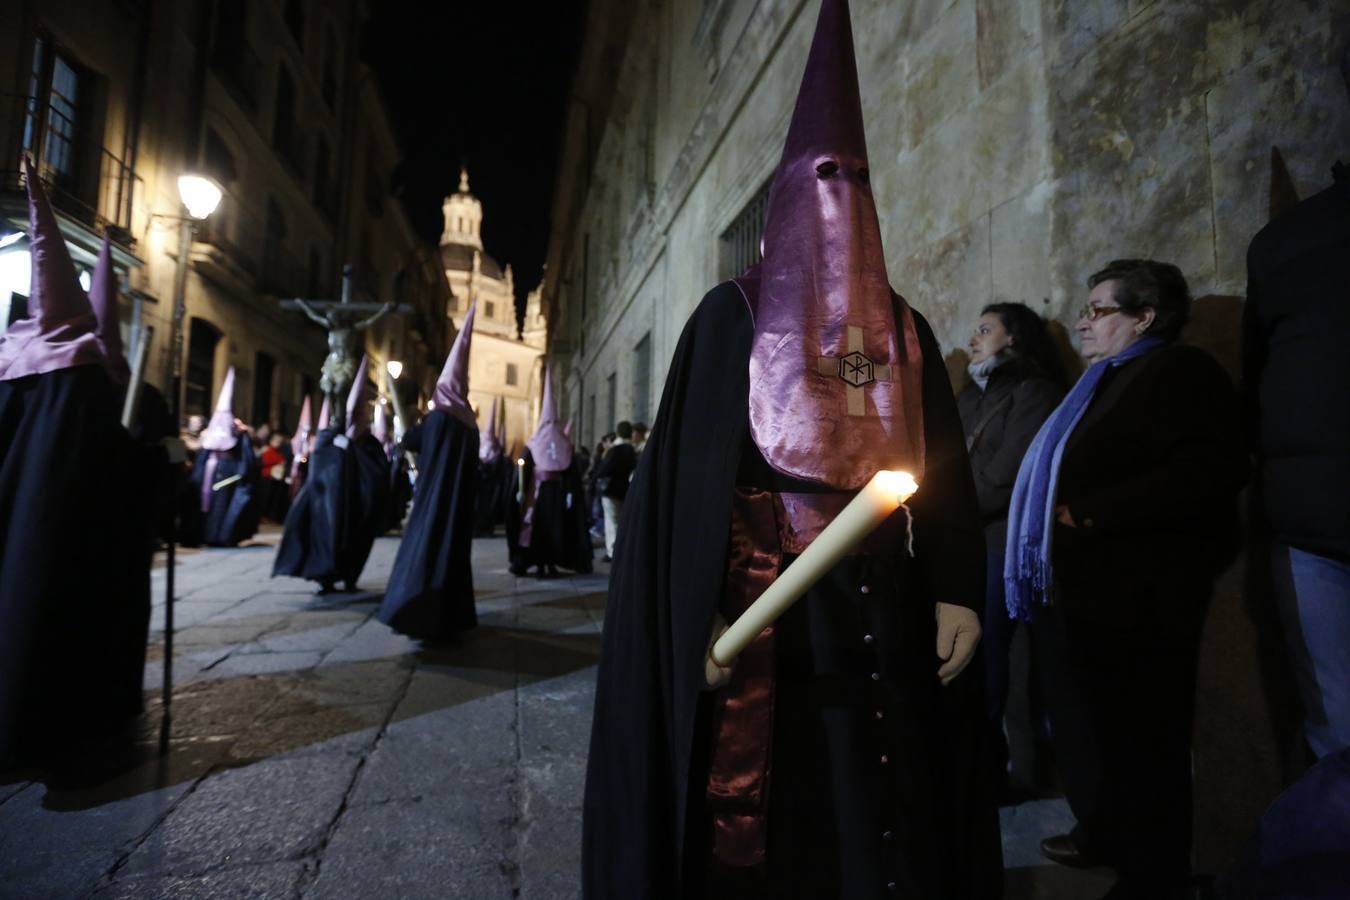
84,180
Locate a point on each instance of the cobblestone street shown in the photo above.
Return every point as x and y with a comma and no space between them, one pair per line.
316,754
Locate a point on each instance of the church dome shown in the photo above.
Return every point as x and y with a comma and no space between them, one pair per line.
459,258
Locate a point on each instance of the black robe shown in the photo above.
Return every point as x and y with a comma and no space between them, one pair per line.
927,819
557,529
74,571
336,517
400,490
235,509
430,592
495,486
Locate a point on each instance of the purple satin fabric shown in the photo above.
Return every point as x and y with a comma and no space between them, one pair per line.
219,433
489,447
823,274
741,759
103,299
549,445
209,478
452,388
802,517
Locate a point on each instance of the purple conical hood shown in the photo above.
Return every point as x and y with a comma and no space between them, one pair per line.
220,433
489,447
452,388
103,298
381,430
834,378
358,402
303,429
550,447
325,414
61,330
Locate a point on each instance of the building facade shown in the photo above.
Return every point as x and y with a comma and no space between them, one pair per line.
269,98
504,363
1015,147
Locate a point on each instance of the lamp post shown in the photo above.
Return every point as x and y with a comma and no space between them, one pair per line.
200,196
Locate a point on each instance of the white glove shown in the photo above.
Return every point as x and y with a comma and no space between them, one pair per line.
714,676
958,634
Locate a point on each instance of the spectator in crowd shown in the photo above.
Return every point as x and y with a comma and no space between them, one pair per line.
1125,510
1016,382
597,517
639,437
1296,379
612,481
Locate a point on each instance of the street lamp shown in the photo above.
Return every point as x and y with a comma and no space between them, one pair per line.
395,368
200,196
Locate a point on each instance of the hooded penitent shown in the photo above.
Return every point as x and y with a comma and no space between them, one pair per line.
834,378
358,402
303,429
550,447
489,447
61,330
325,414
381,430
103,298
452,388
220,433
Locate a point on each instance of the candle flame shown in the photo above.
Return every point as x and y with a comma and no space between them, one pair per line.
902,484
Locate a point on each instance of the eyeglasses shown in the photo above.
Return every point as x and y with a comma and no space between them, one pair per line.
1093,313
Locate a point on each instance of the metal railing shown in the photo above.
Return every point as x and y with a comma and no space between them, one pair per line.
84,179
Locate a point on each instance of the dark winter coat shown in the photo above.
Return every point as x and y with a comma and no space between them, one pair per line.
1296,371
615,470
999,423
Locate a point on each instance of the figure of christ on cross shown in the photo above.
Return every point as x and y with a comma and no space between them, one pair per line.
340,320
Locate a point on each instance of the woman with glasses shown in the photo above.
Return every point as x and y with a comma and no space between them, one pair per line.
1122,516
1016,381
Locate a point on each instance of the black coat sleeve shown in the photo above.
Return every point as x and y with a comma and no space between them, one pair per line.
948,532
1032,402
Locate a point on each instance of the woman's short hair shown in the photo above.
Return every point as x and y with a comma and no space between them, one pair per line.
1030,338
1148,284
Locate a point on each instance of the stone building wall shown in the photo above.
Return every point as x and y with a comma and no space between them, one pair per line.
1015,146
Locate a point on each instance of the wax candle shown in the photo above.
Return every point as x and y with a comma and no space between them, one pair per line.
880,497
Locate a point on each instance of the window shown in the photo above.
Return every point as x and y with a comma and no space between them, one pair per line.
201,364
325,194
314,285
642,377
374,190
273,250
263,367
330,66
512,374
285,137
295,21
231,56
219,159
490,309
56,109
740,242
613,383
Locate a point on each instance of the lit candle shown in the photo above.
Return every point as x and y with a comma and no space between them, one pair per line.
882,496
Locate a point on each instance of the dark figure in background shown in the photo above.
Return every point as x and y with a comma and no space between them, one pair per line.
611,480
224,481
1129,530
400,487
1016,382
333,523
274,499
494,478
842,756
430,592
546,521
596,508
1296,374
73,554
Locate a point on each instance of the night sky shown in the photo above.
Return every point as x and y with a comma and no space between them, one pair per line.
485,84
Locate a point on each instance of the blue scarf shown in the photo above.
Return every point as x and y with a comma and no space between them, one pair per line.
1027,575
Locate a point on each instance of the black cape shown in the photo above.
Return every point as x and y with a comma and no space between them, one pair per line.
74,567
234,510
495,485
400,490
430,592
646,775
336,517
558,532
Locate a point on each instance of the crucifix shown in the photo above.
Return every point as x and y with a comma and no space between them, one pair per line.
341,319
854,369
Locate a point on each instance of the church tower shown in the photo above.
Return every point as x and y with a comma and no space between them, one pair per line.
463,216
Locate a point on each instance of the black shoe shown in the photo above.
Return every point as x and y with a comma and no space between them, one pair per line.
1063,849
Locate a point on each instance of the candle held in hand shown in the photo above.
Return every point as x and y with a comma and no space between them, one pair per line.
881,496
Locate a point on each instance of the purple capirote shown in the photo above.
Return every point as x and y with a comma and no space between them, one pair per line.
103,298
452,388
61,331
549,446
220,433
358,401
835,379
489,444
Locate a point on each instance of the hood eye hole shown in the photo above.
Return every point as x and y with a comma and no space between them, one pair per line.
864,176
828,168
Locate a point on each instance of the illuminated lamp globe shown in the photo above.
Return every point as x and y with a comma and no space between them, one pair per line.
395,368
200,195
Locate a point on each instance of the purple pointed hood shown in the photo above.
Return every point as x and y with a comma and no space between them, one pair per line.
489,447
834,377
325,414
220,433
551,449
358,402
303,429
103,298
452,388
61,331
381,430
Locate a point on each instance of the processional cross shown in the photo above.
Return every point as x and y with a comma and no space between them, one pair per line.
341,320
